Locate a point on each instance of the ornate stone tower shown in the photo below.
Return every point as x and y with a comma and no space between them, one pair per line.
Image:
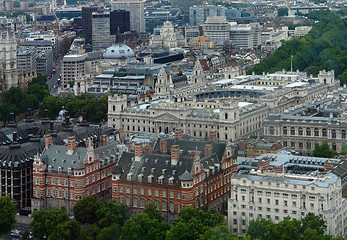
8,61
198,73
163,85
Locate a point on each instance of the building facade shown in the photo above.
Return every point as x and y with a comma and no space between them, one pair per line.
65,174
199,14
87,20
216,28
276,196
174,174
101,36
136,11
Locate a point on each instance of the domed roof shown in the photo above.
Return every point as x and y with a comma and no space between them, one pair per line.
186,176
118,51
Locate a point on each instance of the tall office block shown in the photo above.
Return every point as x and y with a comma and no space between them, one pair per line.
217,28
184,6
87,20
101,30
136,10
199,14
119,19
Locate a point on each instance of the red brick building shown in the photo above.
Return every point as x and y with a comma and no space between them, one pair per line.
62,175
176,174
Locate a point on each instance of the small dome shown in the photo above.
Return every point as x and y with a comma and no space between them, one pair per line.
118,51
186,176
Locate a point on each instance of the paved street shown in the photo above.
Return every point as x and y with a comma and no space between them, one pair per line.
53,83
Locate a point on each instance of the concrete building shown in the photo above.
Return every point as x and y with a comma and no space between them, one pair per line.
72,67
199,14
277,195
242,36
216,28
301,31
119,22
101,36
184,6
44,64
136,11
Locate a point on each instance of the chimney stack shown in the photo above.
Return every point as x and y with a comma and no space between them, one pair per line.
263,164
178,134
89,143
148,149
138,151
71,144
175,154
163,146
103,140
208,150
48,140
213,136
129,146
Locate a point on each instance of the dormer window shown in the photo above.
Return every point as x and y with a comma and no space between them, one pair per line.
60,169
140,176
69,171
160,179
171,180
49,168
129,176
150,178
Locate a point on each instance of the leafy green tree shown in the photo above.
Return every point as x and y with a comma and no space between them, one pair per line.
90,232
54,224
110,233
85,210
218,233
314,222
192,224
258,229
110,212
14,96
344,149
5,110
8,214
282,12
324,151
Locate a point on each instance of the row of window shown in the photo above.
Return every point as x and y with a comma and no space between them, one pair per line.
300,131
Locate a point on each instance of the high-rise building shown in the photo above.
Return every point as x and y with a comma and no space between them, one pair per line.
242,36
87,20
119,21
136,11
199,14
184,6
101,30
217,28
73,66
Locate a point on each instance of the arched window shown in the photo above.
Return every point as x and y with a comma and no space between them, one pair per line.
308,131
292,131
300,131
333,146
271,130
343,134
316,132
225,116
285,130
324,132
333,133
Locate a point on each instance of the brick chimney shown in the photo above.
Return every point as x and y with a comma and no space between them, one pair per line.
175,154
148,149
48,140
138,151
129,146
163,146
178,134
103,140
89,143
208,150
71,144
263,164
213,136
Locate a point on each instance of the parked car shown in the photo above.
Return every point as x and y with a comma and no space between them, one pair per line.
15,233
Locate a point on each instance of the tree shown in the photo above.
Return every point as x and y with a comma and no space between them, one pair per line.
282,12
110,212
344,149
324,151
258,229
192,224
54,224
85,210
218,233
8,214
314,222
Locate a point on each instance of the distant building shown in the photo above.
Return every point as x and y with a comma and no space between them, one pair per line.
44,63
242,36
276,196
101,31
184,6
157,17
169,37
72,67
119,22
216,28
87,20
136,11
301,31
199,14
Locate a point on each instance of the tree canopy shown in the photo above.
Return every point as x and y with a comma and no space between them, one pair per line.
324,151
324,47
8,214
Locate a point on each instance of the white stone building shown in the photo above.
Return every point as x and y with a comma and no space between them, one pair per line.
275,196
168,37
217,28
